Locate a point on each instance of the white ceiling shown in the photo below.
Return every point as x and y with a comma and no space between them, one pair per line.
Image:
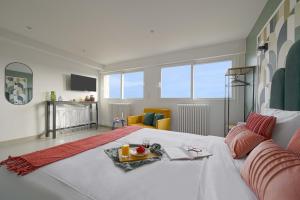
110,31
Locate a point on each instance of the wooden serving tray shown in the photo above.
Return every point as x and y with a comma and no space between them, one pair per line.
131,158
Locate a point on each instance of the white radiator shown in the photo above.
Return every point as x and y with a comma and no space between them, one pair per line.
120,110
192,118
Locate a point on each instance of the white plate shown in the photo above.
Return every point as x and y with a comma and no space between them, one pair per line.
134,153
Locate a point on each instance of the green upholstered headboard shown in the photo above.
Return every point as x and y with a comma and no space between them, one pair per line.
285,91
277,90
292,79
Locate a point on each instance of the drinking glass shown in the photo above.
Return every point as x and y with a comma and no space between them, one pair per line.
146,142
125,150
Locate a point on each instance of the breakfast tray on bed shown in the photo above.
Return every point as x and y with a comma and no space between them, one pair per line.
132,162
132,158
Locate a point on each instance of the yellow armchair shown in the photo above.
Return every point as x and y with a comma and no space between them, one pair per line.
162,124
134,119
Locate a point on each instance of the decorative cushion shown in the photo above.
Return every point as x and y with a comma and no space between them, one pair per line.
157,116
272,172
294,144
234,132
244,142
148,119
260,124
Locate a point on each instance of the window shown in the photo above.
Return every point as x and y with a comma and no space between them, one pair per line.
209,79
133,85
112,86
176,82
126,86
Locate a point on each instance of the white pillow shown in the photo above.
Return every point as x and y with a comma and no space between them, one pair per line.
286,124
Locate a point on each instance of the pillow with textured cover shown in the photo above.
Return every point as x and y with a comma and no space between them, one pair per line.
261,124
244,142
272,172
294,144
234,132
148,119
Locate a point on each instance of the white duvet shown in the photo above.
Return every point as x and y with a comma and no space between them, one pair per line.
92,175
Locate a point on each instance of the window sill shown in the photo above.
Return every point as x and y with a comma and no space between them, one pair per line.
118,99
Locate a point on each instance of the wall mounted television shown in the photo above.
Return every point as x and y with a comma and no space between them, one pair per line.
83,83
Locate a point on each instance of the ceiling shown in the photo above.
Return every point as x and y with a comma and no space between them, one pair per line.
111,31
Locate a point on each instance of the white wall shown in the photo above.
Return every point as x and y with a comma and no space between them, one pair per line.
49,73
151,67
187,55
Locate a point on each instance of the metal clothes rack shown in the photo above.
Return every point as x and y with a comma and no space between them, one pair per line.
238,77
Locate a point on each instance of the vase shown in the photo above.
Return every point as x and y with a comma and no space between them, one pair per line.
92,98
52,96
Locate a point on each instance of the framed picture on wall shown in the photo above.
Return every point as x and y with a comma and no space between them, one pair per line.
16,89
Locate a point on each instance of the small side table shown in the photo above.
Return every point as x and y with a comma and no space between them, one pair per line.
117,121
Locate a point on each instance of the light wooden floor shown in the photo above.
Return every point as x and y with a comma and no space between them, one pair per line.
19,147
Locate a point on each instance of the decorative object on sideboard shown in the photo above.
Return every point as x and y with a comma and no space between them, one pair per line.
52,96
92,98
60,98
18,83
87,98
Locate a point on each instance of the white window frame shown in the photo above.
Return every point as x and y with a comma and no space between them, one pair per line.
160,84
209,62
192,97
122,84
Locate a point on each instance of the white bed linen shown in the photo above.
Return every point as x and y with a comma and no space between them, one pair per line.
92,175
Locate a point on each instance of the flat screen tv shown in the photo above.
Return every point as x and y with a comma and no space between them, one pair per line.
83,83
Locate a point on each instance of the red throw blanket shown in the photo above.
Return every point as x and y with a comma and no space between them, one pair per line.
27,163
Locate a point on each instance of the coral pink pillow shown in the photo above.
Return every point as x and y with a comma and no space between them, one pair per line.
244,142
234,132
294,144
260,124
272,172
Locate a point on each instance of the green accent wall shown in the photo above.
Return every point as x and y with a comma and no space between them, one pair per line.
251,40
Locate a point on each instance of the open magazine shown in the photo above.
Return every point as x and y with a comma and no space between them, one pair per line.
181,153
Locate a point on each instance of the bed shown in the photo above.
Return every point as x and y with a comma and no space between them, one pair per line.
92,175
